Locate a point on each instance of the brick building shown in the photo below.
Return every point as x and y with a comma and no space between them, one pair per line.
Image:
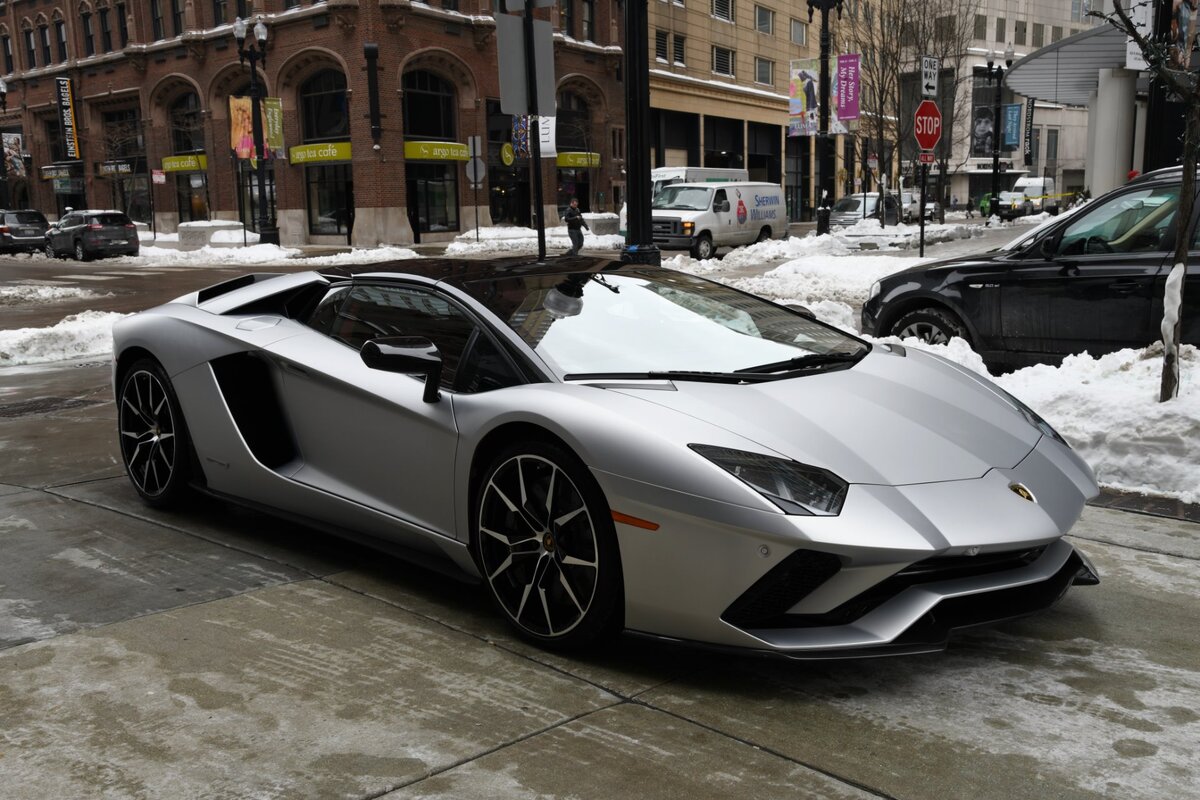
151,81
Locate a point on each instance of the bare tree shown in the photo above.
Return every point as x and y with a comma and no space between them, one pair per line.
875,30
1168,59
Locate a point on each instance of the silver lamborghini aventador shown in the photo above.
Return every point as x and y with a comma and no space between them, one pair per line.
612,447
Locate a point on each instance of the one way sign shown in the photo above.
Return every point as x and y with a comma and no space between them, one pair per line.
929,76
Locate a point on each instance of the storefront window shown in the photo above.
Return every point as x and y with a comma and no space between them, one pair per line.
432,186
330,199
187,136
124,146
433,192
573,134
329,188
248,193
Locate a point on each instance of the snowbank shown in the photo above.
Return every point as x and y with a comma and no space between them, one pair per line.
512,239
36,295
78,336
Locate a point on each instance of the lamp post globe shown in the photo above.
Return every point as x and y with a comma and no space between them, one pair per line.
256,53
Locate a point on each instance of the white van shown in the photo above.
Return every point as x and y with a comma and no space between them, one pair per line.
1029,195
701,217
666,176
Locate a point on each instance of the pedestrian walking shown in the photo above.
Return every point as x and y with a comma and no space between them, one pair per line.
970,208
954,203
574,219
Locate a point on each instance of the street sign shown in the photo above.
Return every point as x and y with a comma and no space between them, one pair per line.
872,161
927,125
929,76
158,176
927,157
512,51
476,169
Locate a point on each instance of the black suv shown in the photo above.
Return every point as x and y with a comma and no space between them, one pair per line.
22,231
91,234
1089,281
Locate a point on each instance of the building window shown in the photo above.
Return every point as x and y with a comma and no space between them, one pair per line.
156,20
449,5
1039,34
799,32
122,25
220,9
1051,146
588,8
433,195
8,56
566,18
187,136
944,27
324,115
1079,10
44,36
660,45
764,20
722,61
30,49
291,4
177,17
723,9
1035,148
980,26
330,194
1019,32
1001,29
105,31
60,34
618,143
680,49
1056,33
764,71
428,106
89,36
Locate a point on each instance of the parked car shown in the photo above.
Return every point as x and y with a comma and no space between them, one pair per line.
87,234
910,201
702,217
22,231
854,208
1092,281
566,433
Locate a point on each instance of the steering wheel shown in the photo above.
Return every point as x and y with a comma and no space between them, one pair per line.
1096,244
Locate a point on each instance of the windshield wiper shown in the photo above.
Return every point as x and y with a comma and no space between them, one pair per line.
674,375
804,362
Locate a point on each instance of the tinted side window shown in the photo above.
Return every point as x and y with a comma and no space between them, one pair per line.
325,315
369,312
1133,222
485,367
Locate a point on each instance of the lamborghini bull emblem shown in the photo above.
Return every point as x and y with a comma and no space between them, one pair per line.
1020,490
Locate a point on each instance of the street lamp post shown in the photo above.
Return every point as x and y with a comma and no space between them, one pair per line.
4,197
824,138
257,53
995,74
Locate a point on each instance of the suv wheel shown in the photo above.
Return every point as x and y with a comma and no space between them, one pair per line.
80,253
932,325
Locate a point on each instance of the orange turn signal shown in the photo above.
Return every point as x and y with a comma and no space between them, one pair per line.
634,521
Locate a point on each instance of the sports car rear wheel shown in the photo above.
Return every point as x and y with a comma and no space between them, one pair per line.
546,546
932,325
154,439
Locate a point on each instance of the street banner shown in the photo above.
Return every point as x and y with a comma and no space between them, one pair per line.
273,126
847,86
1028,130
1012,126
66,116
520,135
804,116
13,145
546,136
983,132
241,127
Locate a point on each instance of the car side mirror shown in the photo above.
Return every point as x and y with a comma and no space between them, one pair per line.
408,355
803,311
1047,247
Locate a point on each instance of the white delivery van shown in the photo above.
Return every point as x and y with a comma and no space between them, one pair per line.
1030,195
701,217
666,176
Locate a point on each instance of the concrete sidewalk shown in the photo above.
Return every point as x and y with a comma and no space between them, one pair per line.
219,653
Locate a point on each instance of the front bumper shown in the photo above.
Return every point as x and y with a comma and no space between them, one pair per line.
673,242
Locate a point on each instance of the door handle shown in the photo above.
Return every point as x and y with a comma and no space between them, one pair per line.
1124,287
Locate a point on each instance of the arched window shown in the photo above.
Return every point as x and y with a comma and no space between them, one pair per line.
323,107
44,40
428,106
574,124
30,45
187,133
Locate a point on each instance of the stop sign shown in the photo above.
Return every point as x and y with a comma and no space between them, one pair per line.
927,125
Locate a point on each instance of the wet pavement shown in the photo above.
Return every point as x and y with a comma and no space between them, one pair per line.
217,652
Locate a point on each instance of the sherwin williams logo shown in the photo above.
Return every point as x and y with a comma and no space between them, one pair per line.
741,208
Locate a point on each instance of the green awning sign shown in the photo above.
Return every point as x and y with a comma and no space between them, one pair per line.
578,160
319,153
193,162
436,151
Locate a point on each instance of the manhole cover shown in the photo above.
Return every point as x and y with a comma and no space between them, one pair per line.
44,405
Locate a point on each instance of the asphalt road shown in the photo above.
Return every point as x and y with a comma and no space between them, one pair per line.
218,653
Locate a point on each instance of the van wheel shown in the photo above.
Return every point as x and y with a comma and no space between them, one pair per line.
703,248
932,325
764,234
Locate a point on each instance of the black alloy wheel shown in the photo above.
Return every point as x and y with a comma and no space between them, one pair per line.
80,253
49,251
546,546
155,448
932,325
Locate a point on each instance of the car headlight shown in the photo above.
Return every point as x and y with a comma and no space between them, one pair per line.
876,287
688,227
795,488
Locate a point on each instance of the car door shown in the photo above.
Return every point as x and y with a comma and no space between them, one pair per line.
59,237
723,218
365,434
1091,287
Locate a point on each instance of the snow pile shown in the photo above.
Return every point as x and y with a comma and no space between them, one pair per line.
870,232
374,255
752,255
514,239
78,336
35,295
208,255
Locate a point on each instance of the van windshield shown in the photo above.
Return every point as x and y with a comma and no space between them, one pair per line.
690,198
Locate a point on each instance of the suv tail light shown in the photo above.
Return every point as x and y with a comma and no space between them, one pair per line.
3,229
95,227
130,225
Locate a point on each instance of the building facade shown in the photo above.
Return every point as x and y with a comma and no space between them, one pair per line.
152,81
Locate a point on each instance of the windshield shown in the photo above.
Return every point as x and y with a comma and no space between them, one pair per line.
691,198
852,203
653,320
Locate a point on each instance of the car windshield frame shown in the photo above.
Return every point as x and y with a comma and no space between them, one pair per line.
652,323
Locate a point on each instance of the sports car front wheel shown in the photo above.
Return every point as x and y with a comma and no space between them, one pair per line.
154,440
546,546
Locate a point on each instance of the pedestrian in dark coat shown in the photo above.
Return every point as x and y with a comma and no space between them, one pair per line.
574,219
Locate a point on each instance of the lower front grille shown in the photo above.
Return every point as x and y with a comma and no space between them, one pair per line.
786,584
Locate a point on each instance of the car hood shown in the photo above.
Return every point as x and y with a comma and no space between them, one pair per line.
890,420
